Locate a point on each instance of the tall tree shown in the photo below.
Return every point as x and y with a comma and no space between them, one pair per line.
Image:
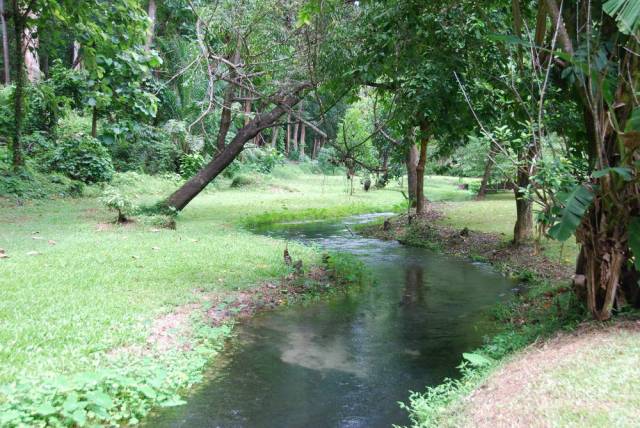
6,63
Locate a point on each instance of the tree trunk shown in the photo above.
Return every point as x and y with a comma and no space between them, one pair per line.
247,112
229,94
274,136
75,55
151,11
6,63
94,122
314,150
303,137
287,141
420,199
181,197
295,136
488,166
30,47
523,229
412,178
18,108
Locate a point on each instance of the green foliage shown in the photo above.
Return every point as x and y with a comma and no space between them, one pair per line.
626,14
190,164
263,159
327,160
575,205
136,146
115,200
83,158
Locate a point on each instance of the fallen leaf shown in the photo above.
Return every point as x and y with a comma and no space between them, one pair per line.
194,240
2,254
52,242
156,248
155,230
33,253
38,238
134,257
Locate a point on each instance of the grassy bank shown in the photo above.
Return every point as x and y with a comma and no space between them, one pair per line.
76,289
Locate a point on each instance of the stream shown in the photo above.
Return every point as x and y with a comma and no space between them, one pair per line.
346,361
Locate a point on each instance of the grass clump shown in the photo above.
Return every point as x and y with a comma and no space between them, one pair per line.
243,180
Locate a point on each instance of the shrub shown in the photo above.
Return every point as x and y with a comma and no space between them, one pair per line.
83,158
327,160
190,164
262,159
140,147
116,201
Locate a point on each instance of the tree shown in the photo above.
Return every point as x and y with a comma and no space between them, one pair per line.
6,64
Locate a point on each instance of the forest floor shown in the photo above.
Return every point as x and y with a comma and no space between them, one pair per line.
549,366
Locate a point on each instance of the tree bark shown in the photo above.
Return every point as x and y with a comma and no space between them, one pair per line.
94,122
31,60
152,12
181,197
303,137
229,93
295,136
274,136
488,166
6,63
18,108
412,178
420,199
287,141
523,229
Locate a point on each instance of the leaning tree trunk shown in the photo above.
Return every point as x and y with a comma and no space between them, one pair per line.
411,162
6,63
181,197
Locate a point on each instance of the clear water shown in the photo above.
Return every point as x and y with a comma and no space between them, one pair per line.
347,361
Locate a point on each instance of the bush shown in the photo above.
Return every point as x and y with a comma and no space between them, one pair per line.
327,160
83,158
190,164
262,159
140,147
115,200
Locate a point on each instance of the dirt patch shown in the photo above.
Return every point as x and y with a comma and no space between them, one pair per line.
489,247
173,331
516,394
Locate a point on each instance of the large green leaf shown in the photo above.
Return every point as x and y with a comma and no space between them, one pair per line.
575,206
626,13
634,239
